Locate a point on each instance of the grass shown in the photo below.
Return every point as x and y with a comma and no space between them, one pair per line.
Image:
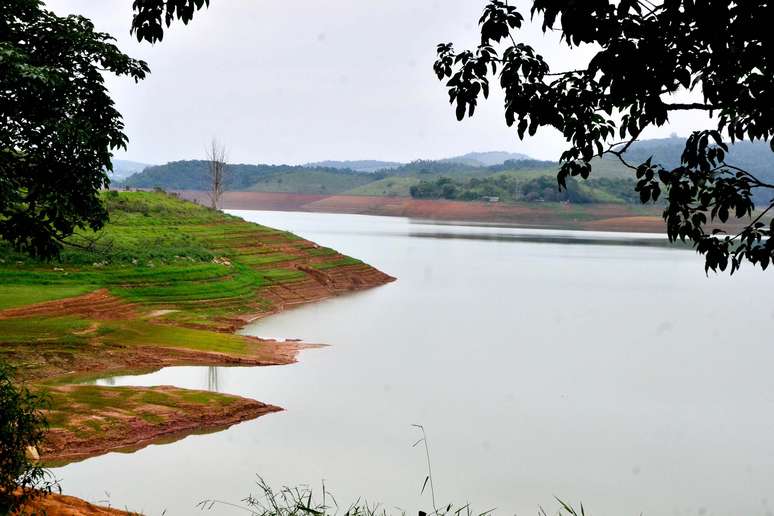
42,330
393,186
159,250
89,410
342,262
143,333
311,182
181,273
20,295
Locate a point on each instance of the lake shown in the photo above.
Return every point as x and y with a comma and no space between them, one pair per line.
595,367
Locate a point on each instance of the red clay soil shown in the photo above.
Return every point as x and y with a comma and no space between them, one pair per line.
319,285
62,505
102,360
99,305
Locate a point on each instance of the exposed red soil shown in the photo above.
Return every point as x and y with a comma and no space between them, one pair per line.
322,284
136,432
61,505
618,217
641,224
98,305
101,360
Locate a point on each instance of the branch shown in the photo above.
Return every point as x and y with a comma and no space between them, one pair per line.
567,72
690,106
751,224
758,182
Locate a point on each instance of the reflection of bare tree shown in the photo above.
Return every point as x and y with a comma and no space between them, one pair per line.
110,380
212,379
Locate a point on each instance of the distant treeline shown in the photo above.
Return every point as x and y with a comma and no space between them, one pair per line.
193,175
509,188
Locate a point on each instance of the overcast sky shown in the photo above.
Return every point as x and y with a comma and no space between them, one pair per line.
293,82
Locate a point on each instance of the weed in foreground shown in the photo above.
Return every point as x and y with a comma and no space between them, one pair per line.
303,501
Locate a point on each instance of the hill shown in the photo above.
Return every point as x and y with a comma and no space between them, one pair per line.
193,175
487,159
608,181
475,159
123,169
367,165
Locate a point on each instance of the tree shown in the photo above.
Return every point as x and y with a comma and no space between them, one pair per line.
22,425
216,168
720,51
59,125
151,16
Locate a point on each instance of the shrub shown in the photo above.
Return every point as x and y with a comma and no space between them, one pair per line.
22,425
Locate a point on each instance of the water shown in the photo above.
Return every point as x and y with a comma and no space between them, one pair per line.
616,375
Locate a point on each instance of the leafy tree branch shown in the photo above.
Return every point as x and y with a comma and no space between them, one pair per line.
720,50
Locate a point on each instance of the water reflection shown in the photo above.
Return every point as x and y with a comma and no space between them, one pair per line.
575,239
212,379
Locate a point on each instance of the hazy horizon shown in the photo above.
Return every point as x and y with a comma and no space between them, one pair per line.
306,82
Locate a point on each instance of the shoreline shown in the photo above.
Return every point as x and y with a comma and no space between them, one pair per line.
589,217
208,275
62,447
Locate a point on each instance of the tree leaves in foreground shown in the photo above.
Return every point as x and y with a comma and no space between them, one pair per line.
151,16
720,51
59,124
21,425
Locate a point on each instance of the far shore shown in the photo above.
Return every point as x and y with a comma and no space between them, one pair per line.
590,217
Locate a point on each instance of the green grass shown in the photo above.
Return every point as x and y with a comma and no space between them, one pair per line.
311,182
142,333
266,259
61,331
393,186
20,295
343,262
158,250
85,410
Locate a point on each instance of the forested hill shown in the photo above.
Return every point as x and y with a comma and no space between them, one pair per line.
193,175
465,179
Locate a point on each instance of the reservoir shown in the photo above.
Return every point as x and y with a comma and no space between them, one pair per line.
602,368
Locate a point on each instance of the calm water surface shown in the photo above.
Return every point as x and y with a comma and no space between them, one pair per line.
602,372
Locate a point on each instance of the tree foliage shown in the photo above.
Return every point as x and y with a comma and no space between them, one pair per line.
152,16
21,425
59,125
648,51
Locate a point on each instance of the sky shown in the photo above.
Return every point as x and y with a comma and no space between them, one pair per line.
303,81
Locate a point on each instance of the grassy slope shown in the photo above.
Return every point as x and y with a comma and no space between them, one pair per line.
195,267
393,186
311,182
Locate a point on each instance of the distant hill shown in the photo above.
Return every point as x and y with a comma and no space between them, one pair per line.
193,175
509,179
123,169
487,159
755,157
472,159
366,165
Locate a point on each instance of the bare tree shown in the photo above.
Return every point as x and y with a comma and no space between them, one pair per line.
216,158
